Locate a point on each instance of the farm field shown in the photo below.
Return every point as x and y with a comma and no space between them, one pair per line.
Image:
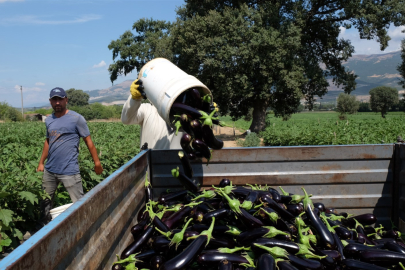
325,128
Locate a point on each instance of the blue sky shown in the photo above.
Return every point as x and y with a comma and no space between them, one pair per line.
54,43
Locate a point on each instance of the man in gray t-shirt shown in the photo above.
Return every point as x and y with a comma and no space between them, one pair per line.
64,128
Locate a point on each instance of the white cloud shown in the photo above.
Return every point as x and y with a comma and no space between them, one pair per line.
99,65
3,1
48,20
363,46
27,89
39,84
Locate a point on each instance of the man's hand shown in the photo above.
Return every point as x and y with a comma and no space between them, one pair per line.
137,90
98,168
40,168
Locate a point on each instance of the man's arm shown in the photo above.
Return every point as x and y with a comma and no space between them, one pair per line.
93,151
131,113
43,156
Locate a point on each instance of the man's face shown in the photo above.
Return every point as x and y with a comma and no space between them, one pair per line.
58,104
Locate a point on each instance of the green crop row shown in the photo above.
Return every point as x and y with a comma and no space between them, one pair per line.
21,186
331,131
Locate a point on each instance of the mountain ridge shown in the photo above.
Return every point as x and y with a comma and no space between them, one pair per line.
373,70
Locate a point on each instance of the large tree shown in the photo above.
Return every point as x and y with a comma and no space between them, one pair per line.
77,97
259,54
382,98
401,66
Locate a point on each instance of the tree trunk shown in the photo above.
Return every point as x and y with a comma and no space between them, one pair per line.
383,113
259,116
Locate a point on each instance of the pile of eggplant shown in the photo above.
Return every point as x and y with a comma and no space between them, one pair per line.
253,227
195,115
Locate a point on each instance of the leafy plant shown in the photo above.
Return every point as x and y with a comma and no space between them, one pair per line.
251,140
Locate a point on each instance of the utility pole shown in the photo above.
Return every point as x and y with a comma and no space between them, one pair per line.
22,106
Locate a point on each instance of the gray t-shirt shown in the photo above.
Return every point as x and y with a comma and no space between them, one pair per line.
64,137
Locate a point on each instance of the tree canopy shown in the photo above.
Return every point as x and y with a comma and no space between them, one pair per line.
347,103
401,66
77,97
382,98
259,54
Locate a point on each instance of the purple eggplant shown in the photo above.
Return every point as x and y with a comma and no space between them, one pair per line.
365,219
160,243
195,98
319,206
391,234
354,249
275,194
210,139
202,147
213,258
268,215
185,124
187,256
289,246
381,257
249,220
330,210
145,255
302,263
185,143
266,262
225,265
339,245
185,162
393,246
180,108
190,184
326,238
117,267
286,265
269,202
177,217
139,227
351,264
224,182
159,224
138,243
247,237
196,128
172,196
222,242
343,233
148,190
295,209
219,214
156,262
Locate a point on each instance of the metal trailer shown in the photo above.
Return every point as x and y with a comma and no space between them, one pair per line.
89,234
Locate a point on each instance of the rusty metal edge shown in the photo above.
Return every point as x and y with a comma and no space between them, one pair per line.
24,249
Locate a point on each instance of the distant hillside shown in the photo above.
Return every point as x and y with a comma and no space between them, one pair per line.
372,70
115,94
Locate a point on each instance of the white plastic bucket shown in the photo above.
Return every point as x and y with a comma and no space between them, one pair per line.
163,82
58,210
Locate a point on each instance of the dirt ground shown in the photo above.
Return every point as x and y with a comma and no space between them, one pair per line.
228,135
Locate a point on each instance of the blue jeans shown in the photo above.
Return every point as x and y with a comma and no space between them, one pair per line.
50,182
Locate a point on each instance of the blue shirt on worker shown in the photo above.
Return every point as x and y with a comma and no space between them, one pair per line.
64,135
